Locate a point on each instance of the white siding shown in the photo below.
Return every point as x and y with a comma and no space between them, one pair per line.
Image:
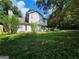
34,18
29,28
21,28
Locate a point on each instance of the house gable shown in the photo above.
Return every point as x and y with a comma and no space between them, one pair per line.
34,17
32,14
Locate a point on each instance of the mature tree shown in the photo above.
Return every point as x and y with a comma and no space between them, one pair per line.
57,5
10,24
7,5
72,15
16,11
65,13
14,24
58,8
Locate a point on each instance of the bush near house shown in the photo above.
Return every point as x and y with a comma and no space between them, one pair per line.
10,24
52,45
34,27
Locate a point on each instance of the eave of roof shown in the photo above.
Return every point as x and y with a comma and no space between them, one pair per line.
32,11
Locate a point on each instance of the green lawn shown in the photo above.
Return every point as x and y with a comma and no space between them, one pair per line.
51,45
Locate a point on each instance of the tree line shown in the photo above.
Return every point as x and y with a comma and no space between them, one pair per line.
64,13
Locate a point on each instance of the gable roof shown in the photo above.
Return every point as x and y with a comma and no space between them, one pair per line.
32,11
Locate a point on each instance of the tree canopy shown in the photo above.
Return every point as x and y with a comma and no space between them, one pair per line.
10,24
64,12
7,5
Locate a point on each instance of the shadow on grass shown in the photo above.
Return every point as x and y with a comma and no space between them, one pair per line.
56,45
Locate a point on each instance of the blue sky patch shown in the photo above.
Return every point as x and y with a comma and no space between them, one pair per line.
25,5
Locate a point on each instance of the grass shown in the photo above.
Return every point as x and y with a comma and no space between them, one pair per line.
51,45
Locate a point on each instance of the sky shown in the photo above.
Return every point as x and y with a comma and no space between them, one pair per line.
25,5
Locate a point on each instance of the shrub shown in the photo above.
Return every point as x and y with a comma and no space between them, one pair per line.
10,24
34,27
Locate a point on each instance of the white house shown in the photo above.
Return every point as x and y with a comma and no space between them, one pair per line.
22,26
35,17
32,17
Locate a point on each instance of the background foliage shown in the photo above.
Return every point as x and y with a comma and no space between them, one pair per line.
64,13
